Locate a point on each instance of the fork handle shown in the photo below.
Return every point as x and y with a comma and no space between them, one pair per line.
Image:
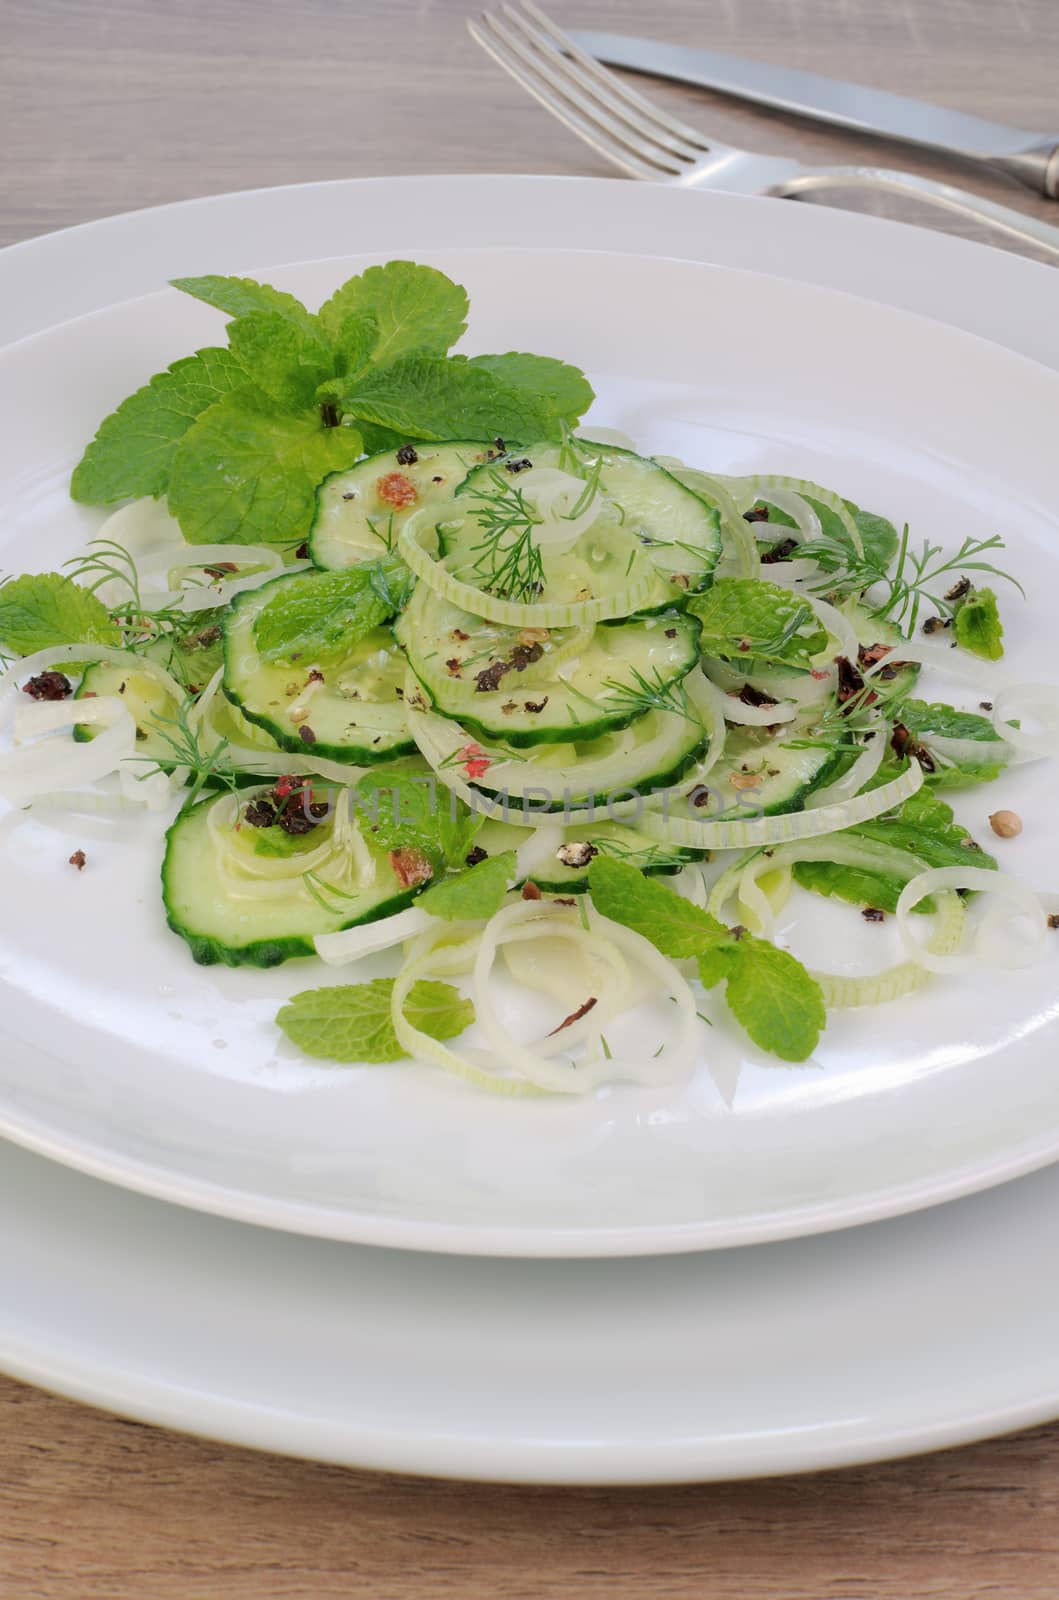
1030,230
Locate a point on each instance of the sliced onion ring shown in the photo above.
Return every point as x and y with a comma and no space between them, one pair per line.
1021,702
991,947
748,833
542,614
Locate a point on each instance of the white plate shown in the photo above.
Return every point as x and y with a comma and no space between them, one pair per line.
901,1337
122,1058
927,1332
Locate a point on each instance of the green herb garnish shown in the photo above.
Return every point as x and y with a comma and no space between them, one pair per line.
769,992
352,1021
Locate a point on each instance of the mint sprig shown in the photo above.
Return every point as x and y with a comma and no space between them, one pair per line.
240,438
769,992
352,1022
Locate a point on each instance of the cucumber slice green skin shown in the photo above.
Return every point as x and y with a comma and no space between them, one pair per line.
666,778
655,505
347,503
259,690
437,636
186,861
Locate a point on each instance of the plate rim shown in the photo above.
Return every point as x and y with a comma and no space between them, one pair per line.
533,1242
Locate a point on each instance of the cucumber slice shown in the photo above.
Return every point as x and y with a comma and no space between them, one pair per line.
353,713
155,710
148,701
560,684
759,775
606,838
653,752
226,914
646,512
353,523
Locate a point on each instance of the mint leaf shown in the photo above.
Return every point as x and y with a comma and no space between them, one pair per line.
769,992
878,536
415,308
474,894
978,626
433,397
133,449
247,471
924,717
778,1003
716,964
676,927
43,609
311,613
286,361
352,1022
747,620
403,809
926,720
355,341
564,390
241,297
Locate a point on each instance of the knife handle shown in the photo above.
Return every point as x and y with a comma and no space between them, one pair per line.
1029,230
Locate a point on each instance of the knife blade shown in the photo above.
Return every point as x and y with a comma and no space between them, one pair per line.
1033,158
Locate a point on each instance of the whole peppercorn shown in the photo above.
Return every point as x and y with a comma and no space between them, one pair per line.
1006,824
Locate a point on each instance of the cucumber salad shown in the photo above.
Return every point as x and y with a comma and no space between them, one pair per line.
412,660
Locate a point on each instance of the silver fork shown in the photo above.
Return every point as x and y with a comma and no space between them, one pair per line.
646,142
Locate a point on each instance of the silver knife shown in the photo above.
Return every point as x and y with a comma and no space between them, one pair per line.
1032,158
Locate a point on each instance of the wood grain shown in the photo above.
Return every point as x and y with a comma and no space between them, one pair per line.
107,105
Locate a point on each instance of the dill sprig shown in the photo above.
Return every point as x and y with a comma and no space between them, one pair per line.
508,557
328,896
189,750
107,561
651,694
914,579
868,711
644,856
388,536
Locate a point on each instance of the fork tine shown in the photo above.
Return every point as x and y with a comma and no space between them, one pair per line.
596,88
616,88
546,85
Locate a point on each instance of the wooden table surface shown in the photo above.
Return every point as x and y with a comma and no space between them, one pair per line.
106,105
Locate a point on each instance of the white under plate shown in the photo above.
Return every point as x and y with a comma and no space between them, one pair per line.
118,1056
881,1341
